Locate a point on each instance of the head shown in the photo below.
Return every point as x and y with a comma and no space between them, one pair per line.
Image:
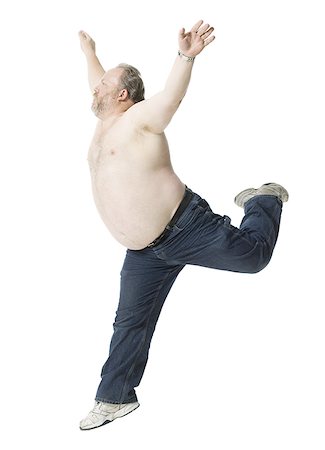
118,90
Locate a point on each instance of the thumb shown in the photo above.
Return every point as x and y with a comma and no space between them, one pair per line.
182,33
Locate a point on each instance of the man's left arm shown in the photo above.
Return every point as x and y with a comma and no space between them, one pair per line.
155,113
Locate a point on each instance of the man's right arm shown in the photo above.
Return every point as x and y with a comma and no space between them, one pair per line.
95,69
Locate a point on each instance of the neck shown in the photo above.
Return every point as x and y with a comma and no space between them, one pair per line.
117,112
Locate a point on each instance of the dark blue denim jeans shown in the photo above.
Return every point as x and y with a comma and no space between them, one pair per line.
199,237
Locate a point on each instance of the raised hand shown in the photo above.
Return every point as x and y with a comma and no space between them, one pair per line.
95,69
87,44
193,42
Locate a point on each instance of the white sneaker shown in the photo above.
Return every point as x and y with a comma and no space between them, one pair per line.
266,189
103,413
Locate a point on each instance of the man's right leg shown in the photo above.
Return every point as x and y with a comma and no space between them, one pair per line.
145,283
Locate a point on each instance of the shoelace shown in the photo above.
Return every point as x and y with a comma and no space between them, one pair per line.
93,415
97,408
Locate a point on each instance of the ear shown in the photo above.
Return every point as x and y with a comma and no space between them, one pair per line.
123,95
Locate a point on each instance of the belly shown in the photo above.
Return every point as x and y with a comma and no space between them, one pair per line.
137,208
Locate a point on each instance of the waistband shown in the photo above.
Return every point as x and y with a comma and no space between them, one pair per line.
183,205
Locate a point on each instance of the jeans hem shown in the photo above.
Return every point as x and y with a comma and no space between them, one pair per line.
256,197
99,399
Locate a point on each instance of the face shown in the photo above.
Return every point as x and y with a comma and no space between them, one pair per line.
106,93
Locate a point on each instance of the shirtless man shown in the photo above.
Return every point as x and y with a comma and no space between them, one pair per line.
150,211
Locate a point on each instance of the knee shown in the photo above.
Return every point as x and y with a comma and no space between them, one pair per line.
256,268
257,262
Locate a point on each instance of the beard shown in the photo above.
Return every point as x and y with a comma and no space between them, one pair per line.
99,106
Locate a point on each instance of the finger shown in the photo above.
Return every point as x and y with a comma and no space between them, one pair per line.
202,29
83,34
182,33
207,33
209,40
197,26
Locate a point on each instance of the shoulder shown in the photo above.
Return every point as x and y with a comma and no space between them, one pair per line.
136,115
136,110
152,114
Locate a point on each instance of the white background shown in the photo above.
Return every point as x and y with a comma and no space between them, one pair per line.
237,361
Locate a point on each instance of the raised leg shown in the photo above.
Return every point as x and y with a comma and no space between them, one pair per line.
208,239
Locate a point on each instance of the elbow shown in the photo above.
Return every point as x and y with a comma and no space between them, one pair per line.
173,98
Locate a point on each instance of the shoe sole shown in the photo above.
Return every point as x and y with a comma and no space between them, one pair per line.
109,421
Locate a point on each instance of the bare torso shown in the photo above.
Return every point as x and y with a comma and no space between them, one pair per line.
135,188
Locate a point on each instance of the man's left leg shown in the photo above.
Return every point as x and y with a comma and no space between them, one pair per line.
208,239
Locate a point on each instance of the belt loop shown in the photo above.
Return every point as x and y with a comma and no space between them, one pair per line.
227,220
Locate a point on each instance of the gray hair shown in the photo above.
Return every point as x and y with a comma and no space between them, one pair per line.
131,80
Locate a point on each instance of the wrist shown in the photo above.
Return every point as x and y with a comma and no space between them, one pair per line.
90,54
185,57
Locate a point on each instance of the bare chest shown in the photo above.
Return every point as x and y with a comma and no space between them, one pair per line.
121,149
106,146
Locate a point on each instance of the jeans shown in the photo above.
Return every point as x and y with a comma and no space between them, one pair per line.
199,237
